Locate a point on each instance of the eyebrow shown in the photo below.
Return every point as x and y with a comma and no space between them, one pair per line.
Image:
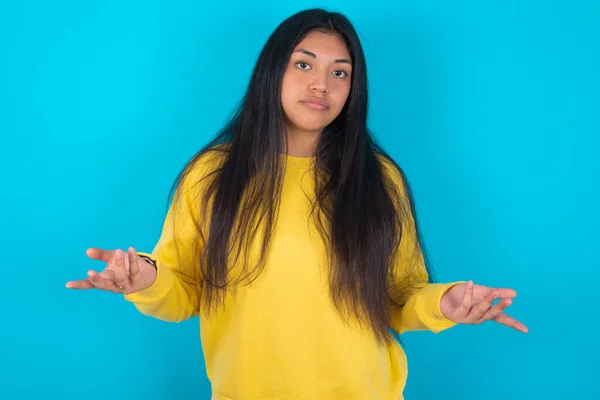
313,55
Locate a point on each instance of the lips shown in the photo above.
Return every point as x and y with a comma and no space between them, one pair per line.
316,104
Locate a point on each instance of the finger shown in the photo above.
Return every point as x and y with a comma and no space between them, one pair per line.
504,293
125,258
498,308
121,277
482,308
101,283
79,284
467,301
99,254
480,292
509,321
135,276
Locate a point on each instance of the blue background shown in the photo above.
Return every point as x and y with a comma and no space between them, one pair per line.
490,107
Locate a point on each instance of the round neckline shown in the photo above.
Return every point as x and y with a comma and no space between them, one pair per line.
298,163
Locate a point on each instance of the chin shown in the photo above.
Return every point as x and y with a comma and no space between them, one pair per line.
311,125
312,128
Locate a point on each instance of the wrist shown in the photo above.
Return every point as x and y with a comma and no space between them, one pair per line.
451,297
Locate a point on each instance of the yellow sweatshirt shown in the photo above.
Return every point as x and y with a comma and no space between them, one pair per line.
281,338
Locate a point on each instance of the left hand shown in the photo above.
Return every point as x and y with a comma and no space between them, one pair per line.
472,304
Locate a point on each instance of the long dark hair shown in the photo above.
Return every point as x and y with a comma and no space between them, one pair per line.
360,209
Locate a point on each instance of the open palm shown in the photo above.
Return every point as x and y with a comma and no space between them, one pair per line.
124,272
467,303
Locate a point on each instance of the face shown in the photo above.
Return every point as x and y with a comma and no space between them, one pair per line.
316,83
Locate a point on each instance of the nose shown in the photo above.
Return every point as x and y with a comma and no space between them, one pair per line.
319,84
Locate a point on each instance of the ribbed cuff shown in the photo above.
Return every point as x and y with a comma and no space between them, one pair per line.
160,287
428,307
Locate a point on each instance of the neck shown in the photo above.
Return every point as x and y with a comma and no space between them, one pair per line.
302,143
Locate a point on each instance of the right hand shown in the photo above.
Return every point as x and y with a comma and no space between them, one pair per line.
124,272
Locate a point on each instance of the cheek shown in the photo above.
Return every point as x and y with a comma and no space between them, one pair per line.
290,85
340,96
293,89
286,93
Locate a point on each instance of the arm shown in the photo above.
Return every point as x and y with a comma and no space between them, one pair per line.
421,309
433,306
175,294
420,299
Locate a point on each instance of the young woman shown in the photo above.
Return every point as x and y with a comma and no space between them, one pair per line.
294,238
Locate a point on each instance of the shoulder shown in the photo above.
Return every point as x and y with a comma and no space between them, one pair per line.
200,170
208,160
392,175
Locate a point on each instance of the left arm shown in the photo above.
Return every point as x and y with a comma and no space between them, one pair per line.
434,306
437,307
422,300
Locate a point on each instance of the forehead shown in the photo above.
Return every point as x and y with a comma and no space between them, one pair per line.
324,45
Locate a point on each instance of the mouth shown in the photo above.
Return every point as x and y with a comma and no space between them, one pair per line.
316,104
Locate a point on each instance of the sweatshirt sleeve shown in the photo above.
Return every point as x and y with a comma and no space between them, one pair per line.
175,294
422,310
419,298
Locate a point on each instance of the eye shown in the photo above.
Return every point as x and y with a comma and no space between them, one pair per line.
340,74
302,65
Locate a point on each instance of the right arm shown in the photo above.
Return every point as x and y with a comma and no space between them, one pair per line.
172,290
175,294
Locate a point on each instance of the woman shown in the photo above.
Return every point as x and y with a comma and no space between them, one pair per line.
293,236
